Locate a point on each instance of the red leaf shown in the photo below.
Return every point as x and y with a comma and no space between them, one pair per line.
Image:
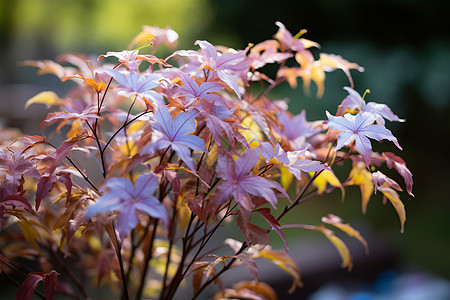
16,200
46,182
50,283
265,212
26,290
67,180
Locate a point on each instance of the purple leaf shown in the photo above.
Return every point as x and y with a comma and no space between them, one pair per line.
177,134
290,160
380,111
296,129
359,128
90,112
132,83
15,168
192,91
241,184
127,199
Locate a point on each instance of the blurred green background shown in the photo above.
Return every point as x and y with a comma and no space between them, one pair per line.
404,46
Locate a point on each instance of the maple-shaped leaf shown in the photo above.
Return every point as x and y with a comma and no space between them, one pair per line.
120,195
49,177
359,128
132,58
206,90
267,52
291,74
220,120
229,66
295,129
396,162
132,84
14,168
177,134
289,160
88,113
288,41
331,62
381,111
239,182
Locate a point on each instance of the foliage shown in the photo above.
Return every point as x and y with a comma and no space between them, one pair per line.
159,154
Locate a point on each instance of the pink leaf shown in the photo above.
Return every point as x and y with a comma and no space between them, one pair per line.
399,164
359,128
90,112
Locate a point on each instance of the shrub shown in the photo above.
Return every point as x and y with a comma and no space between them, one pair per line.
157,155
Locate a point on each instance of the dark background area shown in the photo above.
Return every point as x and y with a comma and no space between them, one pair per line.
404,46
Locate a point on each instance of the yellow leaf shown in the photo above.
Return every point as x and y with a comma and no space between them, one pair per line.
325,178
210,268
160,257
394,198
309,44
285,262
141,38
29,233
359,175
212,157
337,222
253,132
183,213
340,247
47,97
75,129
286,178
129,148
